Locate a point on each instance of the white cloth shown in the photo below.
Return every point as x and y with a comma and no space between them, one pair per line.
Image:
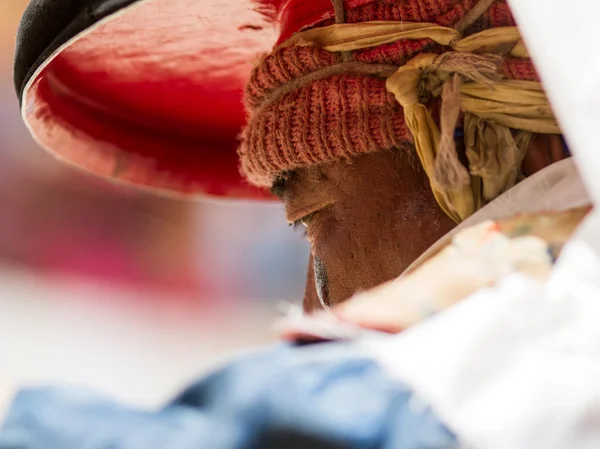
516,366
559,36
512,367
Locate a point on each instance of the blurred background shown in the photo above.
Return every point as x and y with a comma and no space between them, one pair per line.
117,290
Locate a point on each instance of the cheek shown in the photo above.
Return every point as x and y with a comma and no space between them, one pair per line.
358,252
364,246
336,251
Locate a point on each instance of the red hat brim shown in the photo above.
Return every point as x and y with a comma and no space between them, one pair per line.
147,92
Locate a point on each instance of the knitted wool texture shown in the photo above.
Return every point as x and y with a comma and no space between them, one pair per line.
345,115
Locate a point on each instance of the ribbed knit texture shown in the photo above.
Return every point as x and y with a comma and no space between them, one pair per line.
345,115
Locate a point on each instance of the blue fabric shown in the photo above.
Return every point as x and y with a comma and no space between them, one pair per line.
324,396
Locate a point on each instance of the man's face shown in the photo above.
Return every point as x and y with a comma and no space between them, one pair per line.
366,219
369,218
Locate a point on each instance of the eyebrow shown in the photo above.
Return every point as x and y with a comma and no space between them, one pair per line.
281,183
278,188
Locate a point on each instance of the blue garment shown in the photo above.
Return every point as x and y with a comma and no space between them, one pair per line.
318,396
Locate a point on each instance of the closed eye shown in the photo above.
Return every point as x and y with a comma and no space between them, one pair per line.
302,219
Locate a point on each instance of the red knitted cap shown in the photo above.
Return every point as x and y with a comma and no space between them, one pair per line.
345,114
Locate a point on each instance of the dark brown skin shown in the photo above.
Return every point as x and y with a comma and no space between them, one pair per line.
369,218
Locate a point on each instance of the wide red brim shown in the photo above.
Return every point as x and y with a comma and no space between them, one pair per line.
152,94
